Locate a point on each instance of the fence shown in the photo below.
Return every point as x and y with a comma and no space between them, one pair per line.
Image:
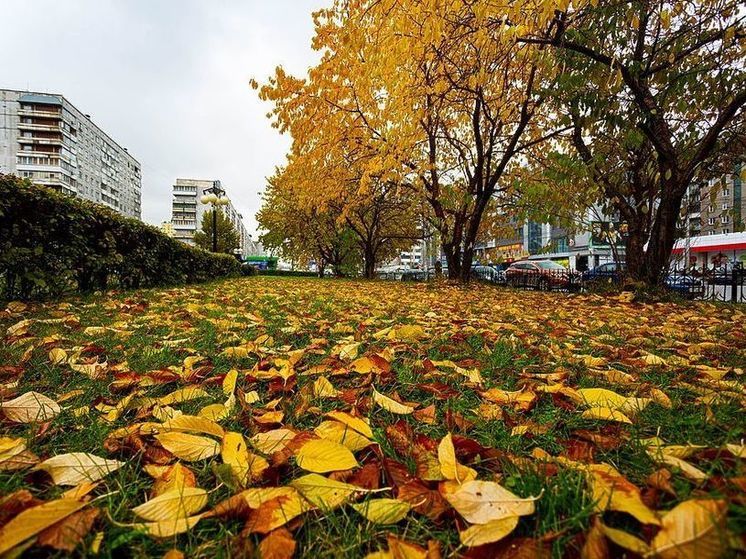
719,284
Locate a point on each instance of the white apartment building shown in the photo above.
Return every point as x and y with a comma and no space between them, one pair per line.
44,138
187,211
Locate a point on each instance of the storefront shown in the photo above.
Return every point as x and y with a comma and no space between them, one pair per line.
710,251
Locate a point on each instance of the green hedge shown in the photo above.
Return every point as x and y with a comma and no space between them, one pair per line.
51,243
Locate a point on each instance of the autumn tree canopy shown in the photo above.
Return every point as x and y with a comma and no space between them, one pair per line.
454,106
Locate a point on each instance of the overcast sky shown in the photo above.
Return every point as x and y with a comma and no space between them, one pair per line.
168,79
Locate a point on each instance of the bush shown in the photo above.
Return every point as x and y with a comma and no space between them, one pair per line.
51,243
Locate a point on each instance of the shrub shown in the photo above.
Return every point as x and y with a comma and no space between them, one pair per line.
51,243
289,273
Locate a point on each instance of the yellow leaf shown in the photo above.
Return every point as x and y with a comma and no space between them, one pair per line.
610,490
77,467
272,441
31,521
229,382
605,414
625,540
449,466
601,398
406,333
322,388
182,395
480,502
169,528
492,531
174,504
192,424
188,447
214,412
342,434
694,529
356,423
383,511
322,456
349,351
325,493
391,405
30,407
245,465
651,359
57,356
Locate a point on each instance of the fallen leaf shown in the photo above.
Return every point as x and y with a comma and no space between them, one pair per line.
694,529
188,447
30,407
174,504
480,502
78,467
35,519
322,455
492,531
383,511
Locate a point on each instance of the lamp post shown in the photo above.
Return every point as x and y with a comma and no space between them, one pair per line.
215,195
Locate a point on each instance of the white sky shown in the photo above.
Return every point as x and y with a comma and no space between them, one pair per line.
167,79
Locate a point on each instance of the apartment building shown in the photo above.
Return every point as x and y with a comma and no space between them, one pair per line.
187,210
722,203
46,139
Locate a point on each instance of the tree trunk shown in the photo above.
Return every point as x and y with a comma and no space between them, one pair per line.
662,240
369,262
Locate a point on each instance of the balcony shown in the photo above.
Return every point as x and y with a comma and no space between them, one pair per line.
40,113
40,141
53,127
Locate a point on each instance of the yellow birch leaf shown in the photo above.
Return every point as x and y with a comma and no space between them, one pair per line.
170,528
480,502
694,529
245,465
391,405
30,407
78,467
31,521
495,530
229,382
57,356
188,447
174,504
182,395
342,434
625,540
272,441
322,388
610,490
605,414
321,456
383,511
601,398
449,466
356,423
192,424
325,493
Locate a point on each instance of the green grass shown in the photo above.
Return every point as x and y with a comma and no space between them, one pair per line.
550,331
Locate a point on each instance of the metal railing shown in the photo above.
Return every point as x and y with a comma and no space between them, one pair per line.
714,284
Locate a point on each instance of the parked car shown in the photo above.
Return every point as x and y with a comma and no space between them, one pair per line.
685,285
487,273
611,272
540,274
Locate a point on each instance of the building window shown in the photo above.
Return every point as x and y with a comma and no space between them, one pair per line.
724,219
710,208
726,192
711,221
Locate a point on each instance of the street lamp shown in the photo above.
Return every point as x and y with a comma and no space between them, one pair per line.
215,195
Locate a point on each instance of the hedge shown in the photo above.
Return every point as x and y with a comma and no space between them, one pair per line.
51,243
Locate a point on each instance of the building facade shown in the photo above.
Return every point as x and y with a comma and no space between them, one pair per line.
187,211
44,138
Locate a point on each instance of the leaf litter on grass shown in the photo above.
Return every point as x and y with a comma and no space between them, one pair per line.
389,420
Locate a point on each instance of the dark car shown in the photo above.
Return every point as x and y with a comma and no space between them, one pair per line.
685,285
611,272
539,274
488,274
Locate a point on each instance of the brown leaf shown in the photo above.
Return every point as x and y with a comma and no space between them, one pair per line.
279,544
68,533
423,499
15,503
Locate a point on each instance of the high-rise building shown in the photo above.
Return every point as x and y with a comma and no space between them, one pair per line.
44,138
722,203
187,210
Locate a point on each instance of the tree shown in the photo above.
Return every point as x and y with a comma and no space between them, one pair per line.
228,238
436,98
300,233
654,91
